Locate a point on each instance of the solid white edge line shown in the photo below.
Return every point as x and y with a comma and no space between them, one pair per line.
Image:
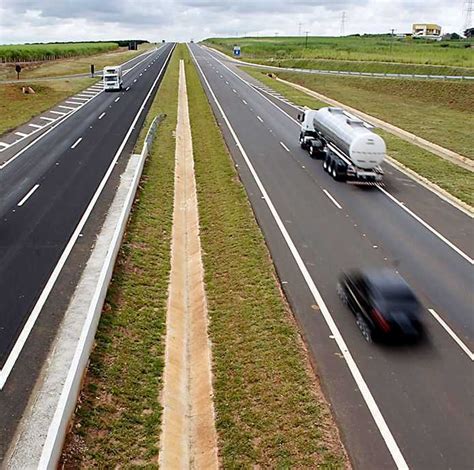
326,192
50,442
74,110
284,146
28,194
76,143
353,368
102,115
453,335
416,217
25,332
427,226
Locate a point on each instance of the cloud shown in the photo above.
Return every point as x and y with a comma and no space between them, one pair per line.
72,20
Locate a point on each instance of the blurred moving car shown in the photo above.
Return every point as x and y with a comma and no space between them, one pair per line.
383,303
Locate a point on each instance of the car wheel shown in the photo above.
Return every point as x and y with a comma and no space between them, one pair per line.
333,172
325,164
311,151
364,328
342,294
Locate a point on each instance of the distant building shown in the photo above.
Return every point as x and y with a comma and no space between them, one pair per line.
426,29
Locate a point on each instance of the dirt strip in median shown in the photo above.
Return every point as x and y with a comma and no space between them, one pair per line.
188,438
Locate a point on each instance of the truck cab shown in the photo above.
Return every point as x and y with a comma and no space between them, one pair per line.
112,78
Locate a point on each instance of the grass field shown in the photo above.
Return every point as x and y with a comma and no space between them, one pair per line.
457,181
353,48
17,108
73,65
438,111
270,410
33,52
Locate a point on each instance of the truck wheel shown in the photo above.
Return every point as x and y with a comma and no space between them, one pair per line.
334,171
311,151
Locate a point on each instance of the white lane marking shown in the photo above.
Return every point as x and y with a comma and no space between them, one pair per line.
47,119
351,364
284,146
135,80
74,110
259,118
80,99
128,88
141,74
87,93
30,322
326,192
226,82
36,126
116,99
22,134
65,107
5,144
453,335
74,102
427,226
46,460
61,113
245,102
76,143
28,194
233,89
102,115
421,221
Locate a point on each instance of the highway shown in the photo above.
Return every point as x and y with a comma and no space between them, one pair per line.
48,191
407,406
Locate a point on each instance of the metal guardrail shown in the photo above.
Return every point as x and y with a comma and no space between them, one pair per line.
150,135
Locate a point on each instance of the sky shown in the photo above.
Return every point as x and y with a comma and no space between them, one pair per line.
181,20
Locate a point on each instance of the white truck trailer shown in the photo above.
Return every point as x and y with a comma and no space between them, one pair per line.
112,78
349,149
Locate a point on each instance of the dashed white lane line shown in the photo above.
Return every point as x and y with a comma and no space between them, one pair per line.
233,89
141,74
21,134
65,107
61,113
226,82
134,80
326,192
116,99
76,143
259,118
284,146
245,102
128,88
47,119
102,115
27,196
36,126
453,335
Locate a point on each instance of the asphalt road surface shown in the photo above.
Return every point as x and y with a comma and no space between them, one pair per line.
47,193
397,406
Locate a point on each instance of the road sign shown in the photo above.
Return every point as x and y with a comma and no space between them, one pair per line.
237,51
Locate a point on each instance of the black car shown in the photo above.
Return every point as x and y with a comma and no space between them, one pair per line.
383,304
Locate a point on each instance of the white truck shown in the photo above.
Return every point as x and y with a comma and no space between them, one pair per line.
112,78
349,149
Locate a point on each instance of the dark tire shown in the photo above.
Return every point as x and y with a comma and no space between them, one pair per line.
364,328
341,292
311,151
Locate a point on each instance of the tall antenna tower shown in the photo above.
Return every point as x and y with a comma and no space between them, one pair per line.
343,22
467,14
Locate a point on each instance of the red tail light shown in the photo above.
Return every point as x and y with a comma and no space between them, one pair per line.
381,320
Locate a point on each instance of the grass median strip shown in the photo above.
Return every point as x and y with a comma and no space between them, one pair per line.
450,177
270,410
117,421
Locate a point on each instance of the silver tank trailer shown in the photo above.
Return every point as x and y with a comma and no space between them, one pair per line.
364,148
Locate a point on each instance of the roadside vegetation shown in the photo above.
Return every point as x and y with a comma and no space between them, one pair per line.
438,111
117,420
270,409
34,52
373,48
72,65
454,179
16,107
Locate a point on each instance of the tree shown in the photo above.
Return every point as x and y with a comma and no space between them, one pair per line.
469,33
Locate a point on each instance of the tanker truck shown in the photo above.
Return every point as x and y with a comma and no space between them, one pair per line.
349,149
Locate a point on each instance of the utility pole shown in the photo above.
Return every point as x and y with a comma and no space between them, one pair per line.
306,39
391,40
467,14
343,23
299,28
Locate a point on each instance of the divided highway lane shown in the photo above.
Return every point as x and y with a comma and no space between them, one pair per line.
397,406
44,194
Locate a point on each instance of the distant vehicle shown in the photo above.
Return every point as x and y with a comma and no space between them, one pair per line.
350,150
383,304
112,78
